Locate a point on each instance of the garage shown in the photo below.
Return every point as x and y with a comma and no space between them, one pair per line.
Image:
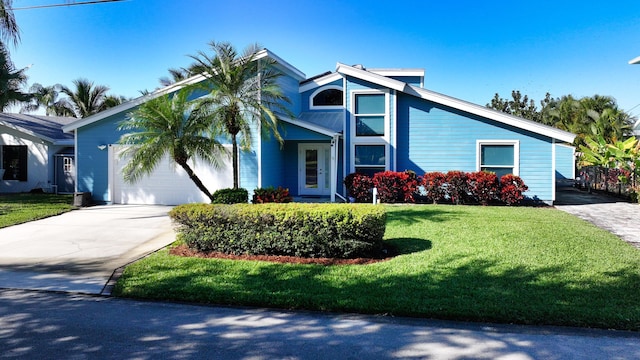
169,184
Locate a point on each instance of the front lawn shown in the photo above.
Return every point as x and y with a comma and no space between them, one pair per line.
21,208
497,264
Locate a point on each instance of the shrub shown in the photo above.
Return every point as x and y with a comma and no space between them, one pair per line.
395,186
271,195
456,186
433,183
511,189
305,230
359,187
484,186
230,196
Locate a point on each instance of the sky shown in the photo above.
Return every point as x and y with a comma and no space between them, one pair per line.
470,50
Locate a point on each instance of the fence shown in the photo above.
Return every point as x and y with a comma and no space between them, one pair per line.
618,182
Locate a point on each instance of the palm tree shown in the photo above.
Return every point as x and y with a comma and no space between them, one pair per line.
86,99
170,125
8,25
243,92
47,97
11,81
176,75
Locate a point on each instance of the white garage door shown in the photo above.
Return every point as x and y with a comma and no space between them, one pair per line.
167,185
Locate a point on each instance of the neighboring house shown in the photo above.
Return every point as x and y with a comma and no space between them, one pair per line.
352,119
36,154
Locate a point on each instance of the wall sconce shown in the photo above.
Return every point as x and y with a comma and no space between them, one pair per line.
102,147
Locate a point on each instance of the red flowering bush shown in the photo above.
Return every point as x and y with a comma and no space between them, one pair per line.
511,189
395,187
271,195
484,186
456,186
359,187
433,185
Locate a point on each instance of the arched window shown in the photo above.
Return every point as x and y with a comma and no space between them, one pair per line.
327,98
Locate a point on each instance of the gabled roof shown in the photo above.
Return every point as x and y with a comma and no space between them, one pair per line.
47,128
635,61
458,104
284,66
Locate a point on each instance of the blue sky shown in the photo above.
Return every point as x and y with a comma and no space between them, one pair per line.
469,49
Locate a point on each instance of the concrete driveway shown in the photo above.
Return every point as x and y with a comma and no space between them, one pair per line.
79,251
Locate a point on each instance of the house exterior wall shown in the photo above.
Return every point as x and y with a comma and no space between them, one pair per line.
38,155
305,96
432,137
565,161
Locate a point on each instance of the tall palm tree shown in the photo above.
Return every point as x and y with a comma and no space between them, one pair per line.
243,92
176,75
174,126
12,81
86,98
8,26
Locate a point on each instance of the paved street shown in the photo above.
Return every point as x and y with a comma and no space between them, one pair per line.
66,326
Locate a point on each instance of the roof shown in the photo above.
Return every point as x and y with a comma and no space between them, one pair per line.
332,121
635,61
48,128
458,104
284,66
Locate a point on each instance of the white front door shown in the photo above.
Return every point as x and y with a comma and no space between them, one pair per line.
314,169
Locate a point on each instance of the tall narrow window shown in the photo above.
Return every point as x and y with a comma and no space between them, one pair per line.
14,162
370,112
499,158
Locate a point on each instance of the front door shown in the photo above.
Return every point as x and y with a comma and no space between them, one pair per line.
65,173
314,169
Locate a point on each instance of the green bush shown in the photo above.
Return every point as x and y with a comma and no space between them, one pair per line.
303,230
230,196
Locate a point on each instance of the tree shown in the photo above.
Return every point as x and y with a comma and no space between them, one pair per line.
243,92
176,75
8,25
87,99
47,97
174,126
519,105
12,81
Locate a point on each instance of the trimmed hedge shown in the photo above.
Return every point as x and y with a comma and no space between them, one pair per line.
230,196
303,230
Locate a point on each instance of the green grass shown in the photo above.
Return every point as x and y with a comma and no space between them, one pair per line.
496,264
21,208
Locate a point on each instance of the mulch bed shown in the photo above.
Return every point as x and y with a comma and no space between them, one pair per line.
183,250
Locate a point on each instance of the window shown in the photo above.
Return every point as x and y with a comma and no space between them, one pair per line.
370,159
327,97
500,158
14,162
370,112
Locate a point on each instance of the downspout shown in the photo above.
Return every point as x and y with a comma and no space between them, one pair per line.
334,166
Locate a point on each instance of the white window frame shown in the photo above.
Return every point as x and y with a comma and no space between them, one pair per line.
516,153
353,157
326,107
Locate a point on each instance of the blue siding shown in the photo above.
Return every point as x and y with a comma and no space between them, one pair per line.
432,137
411,80
290,88
565,162
92,163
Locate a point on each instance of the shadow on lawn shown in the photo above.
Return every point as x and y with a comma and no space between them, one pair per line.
409,215
457,288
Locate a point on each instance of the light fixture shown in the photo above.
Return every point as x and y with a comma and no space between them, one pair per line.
102,146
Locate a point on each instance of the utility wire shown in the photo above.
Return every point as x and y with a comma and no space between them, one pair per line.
67,4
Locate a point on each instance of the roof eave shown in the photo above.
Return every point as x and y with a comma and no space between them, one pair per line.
311,127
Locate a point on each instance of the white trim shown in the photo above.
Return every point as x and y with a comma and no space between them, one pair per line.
394,139
75,154
29,132
321,177
516,152
308,126
634,61
326,107
321,81
111,172
398,72
279,61
553,169
462,105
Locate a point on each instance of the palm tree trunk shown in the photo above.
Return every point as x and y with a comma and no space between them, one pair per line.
196,179
236,165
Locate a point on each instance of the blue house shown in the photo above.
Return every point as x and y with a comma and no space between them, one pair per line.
354,119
